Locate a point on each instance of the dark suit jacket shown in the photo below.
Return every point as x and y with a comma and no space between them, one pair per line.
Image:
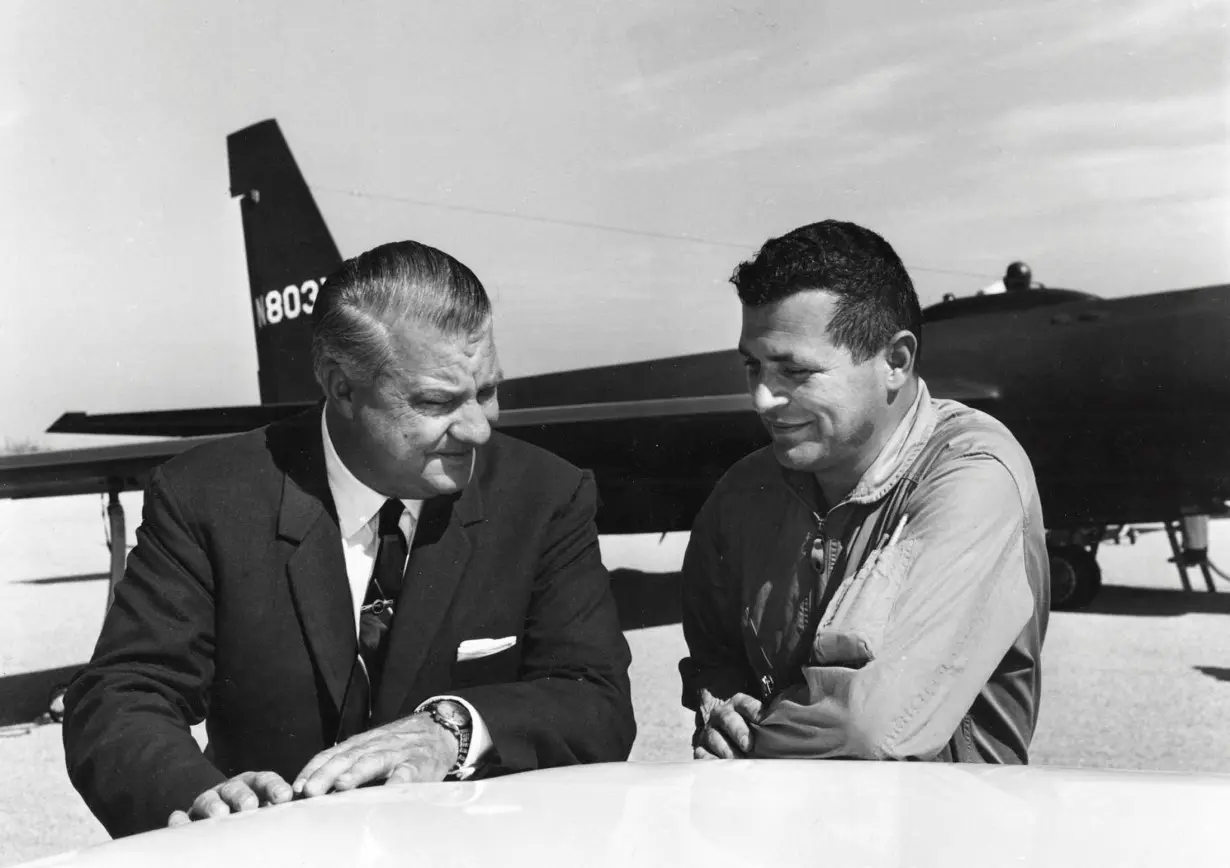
235,608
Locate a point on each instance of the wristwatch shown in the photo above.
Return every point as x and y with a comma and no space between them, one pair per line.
454,717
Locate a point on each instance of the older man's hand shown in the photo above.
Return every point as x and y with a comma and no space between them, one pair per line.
723,731
244,792
413,749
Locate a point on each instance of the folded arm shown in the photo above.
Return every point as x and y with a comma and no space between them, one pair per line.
931,620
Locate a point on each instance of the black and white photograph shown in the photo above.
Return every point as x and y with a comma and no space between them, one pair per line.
615,434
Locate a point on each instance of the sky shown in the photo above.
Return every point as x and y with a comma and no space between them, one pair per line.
601,166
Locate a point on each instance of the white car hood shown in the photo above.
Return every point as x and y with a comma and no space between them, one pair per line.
718,813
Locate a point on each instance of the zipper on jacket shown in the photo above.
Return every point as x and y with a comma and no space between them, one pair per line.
821,551
822,554
820,557
765,667
818,544
766,687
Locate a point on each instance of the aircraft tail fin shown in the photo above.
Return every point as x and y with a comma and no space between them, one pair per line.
289,251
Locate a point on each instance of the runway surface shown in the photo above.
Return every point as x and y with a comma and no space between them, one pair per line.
1140,681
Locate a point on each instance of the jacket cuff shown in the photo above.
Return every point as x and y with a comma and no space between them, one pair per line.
722,682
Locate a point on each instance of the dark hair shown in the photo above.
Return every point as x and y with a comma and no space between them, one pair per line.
389,284
875,296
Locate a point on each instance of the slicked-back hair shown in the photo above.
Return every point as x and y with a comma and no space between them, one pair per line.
875,296
367,295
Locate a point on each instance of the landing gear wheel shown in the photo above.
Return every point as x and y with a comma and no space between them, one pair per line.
55,703
1076,577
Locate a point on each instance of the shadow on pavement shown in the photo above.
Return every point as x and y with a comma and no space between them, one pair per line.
63,580
24,697
1158,602
646,599
1221,673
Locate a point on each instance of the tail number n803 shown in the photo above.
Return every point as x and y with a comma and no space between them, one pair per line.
279,304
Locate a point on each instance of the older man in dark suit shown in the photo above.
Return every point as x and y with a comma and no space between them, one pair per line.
380,590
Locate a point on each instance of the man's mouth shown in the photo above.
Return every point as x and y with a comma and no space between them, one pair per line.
786,427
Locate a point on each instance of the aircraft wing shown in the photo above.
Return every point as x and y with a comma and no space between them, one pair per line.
600,411
232,420
966,391
197,421
93,470
655,460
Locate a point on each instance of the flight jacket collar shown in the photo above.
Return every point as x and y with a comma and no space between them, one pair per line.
894,460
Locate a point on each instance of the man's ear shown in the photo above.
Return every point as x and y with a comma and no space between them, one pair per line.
339,391
902,353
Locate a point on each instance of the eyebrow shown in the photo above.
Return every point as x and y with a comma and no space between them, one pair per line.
421,389
776,357
434,393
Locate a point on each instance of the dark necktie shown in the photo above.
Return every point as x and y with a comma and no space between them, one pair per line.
376,615
375,618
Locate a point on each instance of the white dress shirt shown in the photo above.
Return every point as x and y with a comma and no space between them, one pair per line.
358,508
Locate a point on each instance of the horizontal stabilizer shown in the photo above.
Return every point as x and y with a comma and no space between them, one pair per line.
176,423
94,470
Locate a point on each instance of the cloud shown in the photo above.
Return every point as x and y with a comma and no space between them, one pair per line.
10,115
1193,172
704,71
14,101
831,112
1131,180
1135,25
1177,119
1150,22
1047,163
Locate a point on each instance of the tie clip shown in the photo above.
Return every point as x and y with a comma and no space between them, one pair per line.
377,606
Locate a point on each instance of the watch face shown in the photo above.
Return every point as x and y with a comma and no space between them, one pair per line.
454,713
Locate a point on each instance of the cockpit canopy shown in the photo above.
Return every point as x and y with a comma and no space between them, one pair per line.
1002,302
1017,291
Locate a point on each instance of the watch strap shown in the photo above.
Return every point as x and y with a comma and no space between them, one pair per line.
462,731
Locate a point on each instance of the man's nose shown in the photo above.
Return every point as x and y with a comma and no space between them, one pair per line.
472,425
763,398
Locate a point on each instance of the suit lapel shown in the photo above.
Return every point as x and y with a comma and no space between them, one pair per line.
437,562
316,568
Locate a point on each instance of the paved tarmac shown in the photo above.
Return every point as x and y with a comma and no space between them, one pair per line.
1140,681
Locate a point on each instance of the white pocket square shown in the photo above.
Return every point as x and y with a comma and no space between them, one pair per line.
473,649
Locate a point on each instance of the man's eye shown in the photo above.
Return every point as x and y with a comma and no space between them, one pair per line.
796,372
486,395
